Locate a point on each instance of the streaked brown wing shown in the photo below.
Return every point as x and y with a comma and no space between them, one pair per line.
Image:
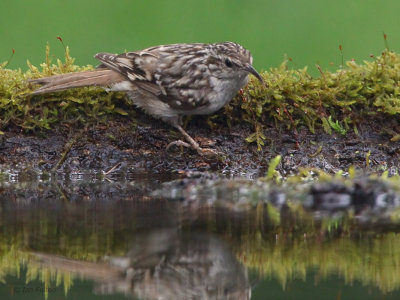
165,71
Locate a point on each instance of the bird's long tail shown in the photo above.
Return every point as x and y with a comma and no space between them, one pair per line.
98,77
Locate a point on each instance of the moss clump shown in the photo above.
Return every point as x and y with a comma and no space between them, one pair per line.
335,101
18,107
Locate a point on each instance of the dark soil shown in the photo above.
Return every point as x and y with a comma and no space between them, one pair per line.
142,148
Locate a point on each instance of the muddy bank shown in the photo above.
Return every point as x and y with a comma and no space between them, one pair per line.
340,119
141,147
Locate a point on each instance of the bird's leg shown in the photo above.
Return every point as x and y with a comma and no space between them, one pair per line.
192,143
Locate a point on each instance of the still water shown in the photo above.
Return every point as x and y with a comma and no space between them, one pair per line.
153,236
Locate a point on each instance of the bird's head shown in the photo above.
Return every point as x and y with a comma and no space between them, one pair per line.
233,61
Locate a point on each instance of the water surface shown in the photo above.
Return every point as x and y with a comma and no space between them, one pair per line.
82,237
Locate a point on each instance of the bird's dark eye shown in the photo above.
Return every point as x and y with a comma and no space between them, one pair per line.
228,63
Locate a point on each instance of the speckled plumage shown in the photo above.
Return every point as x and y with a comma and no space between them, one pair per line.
168,81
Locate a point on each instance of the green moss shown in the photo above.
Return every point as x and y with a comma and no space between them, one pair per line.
272,172
335,101
293,98
19,107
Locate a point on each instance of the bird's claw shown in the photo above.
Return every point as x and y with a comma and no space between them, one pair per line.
201,151
178,143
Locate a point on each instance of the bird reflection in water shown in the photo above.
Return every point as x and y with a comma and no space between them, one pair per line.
164,264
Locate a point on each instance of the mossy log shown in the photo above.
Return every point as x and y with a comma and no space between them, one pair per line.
345,118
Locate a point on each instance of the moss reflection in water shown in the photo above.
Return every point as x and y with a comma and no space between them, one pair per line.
373,260
289,251
284,243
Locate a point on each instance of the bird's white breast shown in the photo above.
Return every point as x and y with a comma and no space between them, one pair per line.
223,92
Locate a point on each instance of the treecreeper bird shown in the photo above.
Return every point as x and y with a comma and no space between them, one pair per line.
168,81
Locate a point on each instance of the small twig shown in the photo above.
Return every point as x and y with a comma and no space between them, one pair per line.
386,41
112,169
341,54
9,60
319,150
62,192
296,134
63,157
62,42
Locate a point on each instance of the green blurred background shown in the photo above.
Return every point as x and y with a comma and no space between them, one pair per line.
308,31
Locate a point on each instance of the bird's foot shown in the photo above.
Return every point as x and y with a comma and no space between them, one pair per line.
195,146
191,143
178,143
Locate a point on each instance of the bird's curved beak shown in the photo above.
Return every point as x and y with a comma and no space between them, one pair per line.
249,68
